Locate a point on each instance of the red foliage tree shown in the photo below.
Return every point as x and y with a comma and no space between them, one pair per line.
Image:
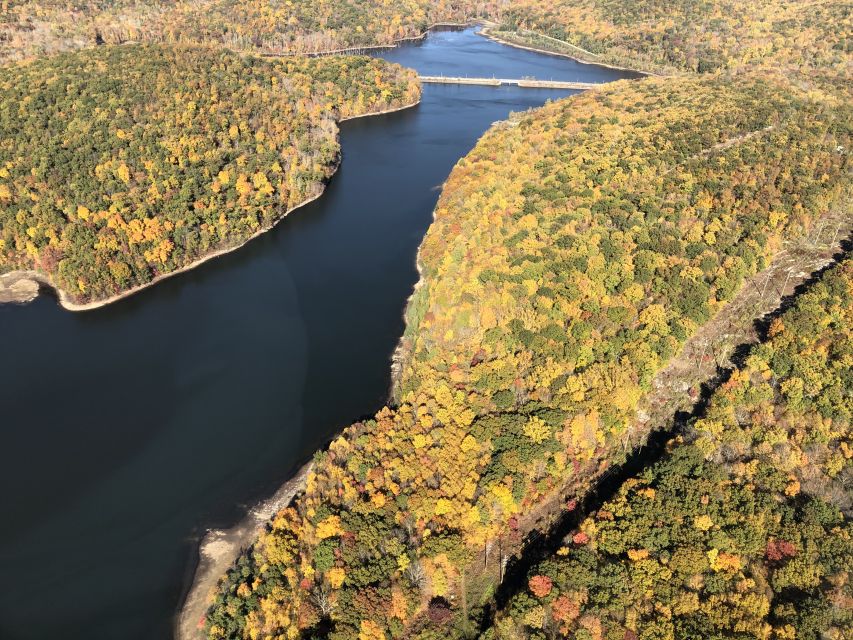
779,550
564,610
540,586
439,611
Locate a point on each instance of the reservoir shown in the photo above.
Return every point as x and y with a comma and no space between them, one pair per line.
129,430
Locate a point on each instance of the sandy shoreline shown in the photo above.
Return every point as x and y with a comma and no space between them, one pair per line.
21,286
219,548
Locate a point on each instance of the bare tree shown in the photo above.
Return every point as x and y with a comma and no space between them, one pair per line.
320,598
415,574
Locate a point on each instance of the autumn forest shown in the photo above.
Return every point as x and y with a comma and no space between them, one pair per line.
657,260
104,189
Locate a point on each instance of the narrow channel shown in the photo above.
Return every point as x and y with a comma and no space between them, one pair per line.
130,430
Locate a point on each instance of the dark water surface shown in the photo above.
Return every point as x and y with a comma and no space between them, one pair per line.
129,430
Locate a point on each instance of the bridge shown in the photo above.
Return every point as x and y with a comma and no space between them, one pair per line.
527,83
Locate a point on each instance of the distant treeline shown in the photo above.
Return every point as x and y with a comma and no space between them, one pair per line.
667,36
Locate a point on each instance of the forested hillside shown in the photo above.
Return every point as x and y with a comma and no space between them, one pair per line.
31,27
573,252
689,36
743,529
649,34
121,164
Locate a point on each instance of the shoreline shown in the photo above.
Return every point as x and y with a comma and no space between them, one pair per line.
207,573
66,303
21,280
401,354
19,287
487,33
370,47
219,548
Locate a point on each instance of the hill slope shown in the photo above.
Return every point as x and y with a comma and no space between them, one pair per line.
119,165
743,529
573,252
649,34
800,36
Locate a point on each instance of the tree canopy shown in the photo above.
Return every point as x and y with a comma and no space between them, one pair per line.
743,529
573,252
688,35
120,164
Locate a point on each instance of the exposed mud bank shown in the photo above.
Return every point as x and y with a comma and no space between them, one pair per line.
219,549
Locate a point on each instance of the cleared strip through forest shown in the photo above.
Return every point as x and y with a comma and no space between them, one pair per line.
704,362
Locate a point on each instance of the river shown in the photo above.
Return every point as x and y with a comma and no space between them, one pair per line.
129,430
